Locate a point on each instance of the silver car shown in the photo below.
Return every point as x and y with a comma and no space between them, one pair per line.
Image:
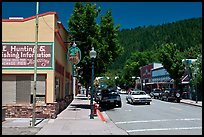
138,96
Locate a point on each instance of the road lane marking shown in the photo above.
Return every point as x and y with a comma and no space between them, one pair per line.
159,120
159,129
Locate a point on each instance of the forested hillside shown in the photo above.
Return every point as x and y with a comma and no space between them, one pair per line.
185,34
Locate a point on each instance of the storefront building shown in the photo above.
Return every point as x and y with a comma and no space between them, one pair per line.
54,73
146,76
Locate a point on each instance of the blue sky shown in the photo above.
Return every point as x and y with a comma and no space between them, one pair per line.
127,14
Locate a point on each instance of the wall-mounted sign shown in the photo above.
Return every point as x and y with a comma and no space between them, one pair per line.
23,55
74,55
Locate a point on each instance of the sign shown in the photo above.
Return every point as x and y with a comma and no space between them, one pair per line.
74,55
23,55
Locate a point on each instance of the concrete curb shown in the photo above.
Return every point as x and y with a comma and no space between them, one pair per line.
191,104
101,115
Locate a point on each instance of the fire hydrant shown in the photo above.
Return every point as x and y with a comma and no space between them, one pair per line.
95,109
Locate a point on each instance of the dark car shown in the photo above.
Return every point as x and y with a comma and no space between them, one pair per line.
110,98
155,93
171,95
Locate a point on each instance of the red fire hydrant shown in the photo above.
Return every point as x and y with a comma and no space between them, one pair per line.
95,109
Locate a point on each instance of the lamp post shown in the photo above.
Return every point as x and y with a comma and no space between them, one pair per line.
133,77
140,82
93,56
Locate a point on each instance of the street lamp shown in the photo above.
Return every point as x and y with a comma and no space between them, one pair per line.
93,56
140,82
133,77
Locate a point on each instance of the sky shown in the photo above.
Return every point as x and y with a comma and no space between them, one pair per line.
127,14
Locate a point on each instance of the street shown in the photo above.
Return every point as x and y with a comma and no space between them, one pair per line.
158,118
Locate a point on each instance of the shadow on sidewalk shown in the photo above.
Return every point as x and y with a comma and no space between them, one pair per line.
83,106
82,98
101,109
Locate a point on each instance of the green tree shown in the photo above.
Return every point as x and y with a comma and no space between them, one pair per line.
170,58
103,37
196,67
137,60
109,47
82,27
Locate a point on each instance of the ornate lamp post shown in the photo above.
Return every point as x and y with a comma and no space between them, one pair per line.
93,56
140,82
133,77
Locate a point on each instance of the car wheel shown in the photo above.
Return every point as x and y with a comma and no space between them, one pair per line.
178,100
148,103
132,102
127,101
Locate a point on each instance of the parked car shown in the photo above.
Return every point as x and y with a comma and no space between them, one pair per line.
171,95
110,98
155,93
138,96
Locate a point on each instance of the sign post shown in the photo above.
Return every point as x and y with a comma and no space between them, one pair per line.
74,57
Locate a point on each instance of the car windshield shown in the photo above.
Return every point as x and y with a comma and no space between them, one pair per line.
138,93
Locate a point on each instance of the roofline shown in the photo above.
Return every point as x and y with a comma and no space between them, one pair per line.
29,18
33,17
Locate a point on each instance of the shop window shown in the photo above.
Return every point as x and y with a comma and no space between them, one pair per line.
40,88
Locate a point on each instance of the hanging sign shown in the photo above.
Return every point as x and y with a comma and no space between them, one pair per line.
74,55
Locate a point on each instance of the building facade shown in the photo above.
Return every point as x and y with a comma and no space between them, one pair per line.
54,73
146,76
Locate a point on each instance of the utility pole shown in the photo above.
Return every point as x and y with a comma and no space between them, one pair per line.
35,66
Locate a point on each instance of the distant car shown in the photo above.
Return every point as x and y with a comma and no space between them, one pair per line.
171,95
123,91
110,98
155,93
138,96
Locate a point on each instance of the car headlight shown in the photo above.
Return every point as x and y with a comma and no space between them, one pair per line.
177,95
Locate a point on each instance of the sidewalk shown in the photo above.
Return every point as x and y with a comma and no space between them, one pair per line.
75,120
191,102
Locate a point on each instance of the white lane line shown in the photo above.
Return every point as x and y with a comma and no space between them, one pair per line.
157,129
160,120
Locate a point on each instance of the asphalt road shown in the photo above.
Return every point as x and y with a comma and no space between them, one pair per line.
158,118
